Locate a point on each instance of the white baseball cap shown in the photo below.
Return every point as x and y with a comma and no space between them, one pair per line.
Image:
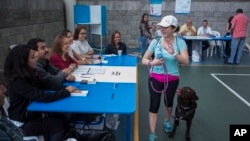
168,21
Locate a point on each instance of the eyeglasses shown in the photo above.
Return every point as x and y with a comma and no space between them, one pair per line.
83,33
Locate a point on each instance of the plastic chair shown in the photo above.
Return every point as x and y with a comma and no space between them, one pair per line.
213,44
247,47
12,46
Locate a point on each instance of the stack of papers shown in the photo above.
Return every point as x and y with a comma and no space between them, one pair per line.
83,93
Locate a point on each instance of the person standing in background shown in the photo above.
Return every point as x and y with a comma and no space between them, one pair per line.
188,29
228,33
239,33
145,33
154,31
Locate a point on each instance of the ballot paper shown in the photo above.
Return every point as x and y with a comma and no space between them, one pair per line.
96,71
83,93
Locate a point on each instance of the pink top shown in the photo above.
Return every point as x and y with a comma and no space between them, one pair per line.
240,22
58,61
160,77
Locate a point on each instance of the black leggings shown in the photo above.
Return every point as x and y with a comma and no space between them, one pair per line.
155,97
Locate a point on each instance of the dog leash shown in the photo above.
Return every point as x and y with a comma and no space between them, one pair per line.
165,78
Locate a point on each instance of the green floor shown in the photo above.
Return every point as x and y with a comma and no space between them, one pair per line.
218,106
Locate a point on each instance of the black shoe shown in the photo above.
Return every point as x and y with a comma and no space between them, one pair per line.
229,63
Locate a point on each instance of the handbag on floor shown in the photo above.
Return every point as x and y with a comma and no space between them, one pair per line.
90,129
90,135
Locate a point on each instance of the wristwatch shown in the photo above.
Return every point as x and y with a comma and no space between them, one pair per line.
175,53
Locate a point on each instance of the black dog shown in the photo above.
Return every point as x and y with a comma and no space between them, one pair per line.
185,109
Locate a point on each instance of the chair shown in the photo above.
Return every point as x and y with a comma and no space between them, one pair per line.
213,44
247,47
12,46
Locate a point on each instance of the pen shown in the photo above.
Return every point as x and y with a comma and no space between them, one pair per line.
88,70
86,74
85,77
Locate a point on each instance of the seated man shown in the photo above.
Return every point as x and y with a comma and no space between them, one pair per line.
188,29
49,76
204,30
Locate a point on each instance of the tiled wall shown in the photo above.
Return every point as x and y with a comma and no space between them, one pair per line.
125,15
21,20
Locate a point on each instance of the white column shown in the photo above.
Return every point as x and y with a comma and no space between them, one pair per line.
69,9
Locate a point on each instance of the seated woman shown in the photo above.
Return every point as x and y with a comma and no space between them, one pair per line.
23,88
116,44
59,55
67,33
80,50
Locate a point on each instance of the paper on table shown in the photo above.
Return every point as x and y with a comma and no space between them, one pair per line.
104,61
83,93
109,55
125,74
96,71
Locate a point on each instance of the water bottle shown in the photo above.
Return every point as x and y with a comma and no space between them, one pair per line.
158,53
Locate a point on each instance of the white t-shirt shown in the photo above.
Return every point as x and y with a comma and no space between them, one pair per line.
202,31
79,47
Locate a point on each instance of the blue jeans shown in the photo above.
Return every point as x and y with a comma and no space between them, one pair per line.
237,45
144,45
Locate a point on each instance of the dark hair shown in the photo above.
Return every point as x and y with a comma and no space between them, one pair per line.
177,28
113,37
239,11
65,32
142,18
230,19
32,43
78,30
16,64
205,21
153,23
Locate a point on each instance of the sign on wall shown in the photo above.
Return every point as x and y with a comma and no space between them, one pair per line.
155,7
182,6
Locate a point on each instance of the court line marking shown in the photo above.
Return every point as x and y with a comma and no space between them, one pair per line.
225,85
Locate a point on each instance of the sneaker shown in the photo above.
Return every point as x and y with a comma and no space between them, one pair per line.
152,137
167,126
